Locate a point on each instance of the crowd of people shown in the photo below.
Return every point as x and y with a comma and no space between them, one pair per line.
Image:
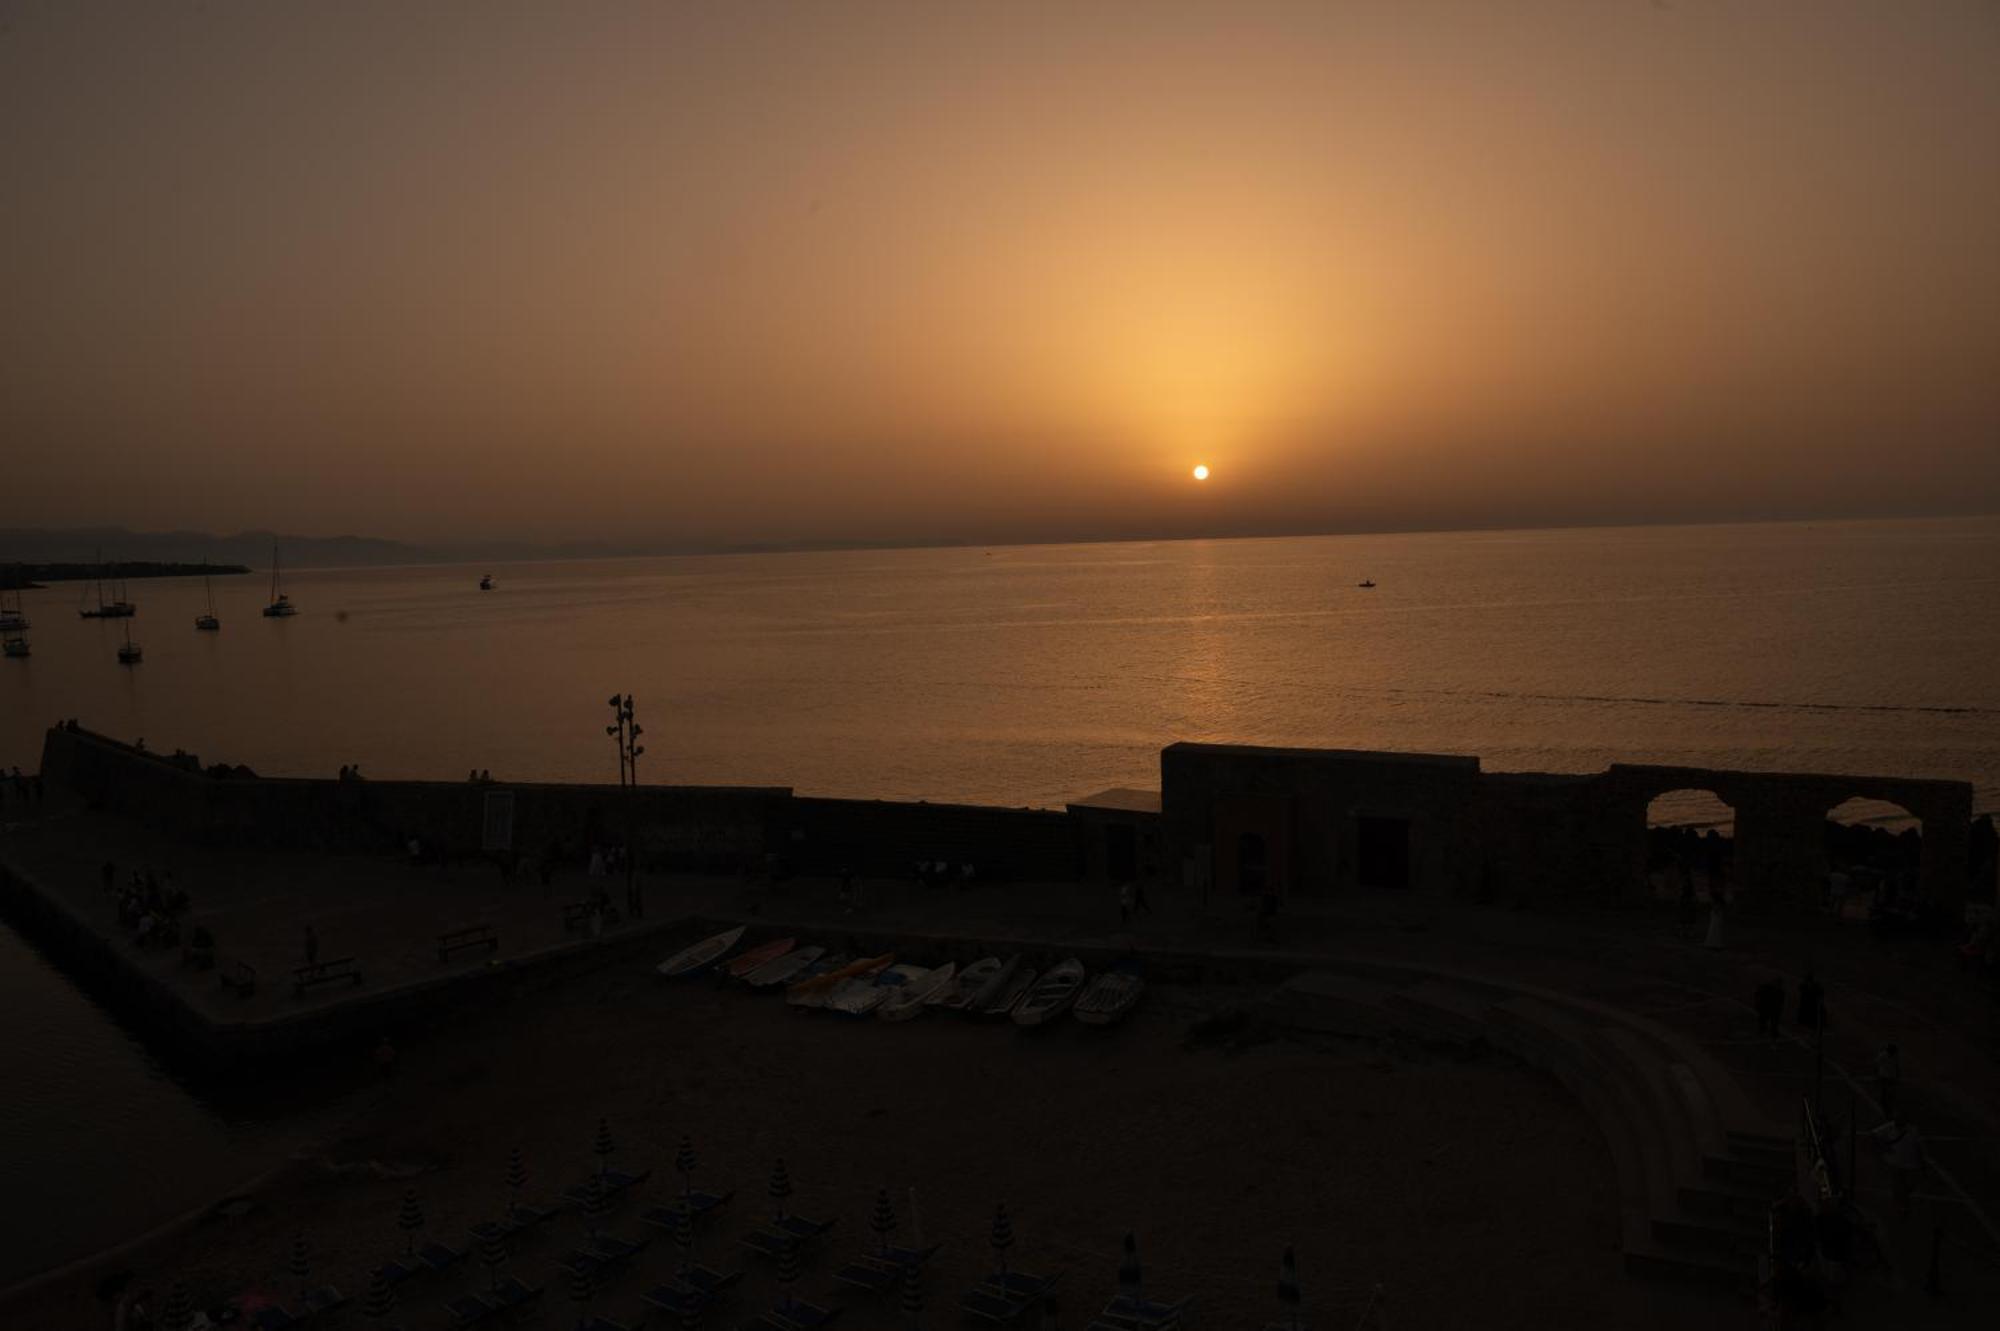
150,905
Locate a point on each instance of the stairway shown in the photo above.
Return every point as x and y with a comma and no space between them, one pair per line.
1697,1166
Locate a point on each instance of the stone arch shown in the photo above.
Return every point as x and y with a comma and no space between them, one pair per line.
1690,834
1872,847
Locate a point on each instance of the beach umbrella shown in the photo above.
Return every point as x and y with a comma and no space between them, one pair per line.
1288,1288
788,1267
691,1315
883,1221
602,1146
684,1238
1002,1238
581,1290
410,1219
684,1165
381,1300
594,1203
1129,1283
178,1314
493,1254
301,1264
913,1293
517,1178
781,1186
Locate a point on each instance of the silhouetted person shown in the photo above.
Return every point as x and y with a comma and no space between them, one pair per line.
1812,1003
1888,1077
1903,1148
1770,1006
1125,901
385,1059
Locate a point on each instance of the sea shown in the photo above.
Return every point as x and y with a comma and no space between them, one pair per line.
1021,675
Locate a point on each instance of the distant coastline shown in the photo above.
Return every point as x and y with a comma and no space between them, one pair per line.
23,577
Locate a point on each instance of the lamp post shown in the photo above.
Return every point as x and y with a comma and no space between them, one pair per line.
625,731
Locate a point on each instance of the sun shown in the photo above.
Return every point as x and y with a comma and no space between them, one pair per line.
1201,471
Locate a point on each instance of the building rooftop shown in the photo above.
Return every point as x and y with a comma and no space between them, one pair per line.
1120,799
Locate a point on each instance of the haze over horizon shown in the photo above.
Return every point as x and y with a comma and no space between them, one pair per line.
771,273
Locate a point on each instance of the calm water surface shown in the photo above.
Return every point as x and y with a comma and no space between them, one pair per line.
1025,675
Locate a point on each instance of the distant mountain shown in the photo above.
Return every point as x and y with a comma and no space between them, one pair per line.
253,548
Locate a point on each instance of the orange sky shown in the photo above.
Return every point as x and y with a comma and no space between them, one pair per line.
754,272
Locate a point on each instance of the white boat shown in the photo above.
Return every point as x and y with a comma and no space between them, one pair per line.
917,994
1006,993
785,968
702,955
761,955
967,983
816,990
864,993
1056,991
1108,998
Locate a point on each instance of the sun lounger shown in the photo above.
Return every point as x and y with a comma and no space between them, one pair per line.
600,1323
771,1239
1003,1297
440,1256
471,1309
398,1269
707,1280
323,1300
606,1250
509,1292
879,1272
697,1204
273,1318
677,1300
1128,1314
611,1183
797,1316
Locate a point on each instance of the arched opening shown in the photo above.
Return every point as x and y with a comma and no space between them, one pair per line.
1690,845
1874,860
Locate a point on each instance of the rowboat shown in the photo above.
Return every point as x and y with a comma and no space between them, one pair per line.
791,966
966,984
974,995
1057,990
1006,993
917,994
702,955
1109,997
814,992
763,953
864,993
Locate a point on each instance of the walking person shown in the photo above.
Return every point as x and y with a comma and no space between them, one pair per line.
1125,902
1903,1149
1888,1077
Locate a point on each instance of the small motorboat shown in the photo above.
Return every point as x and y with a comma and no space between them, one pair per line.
1055,992
207,623
1109,997
1365,582
918,994
861,995
15,647
130,654
815,990
1006,992
486,583
967,983
702,955
738,967
791,966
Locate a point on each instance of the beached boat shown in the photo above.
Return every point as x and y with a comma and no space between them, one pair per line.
917,994
690,960
738,967
975,992
816,989
1109,997
1006,993
1055,992
967,983
791,966
861,995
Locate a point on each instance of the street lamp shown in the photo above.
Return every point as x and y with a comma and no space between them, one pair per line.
625,731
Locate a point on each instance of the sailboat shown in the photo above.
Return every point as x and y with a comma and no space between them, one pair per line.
486,583
117,609
281,606
129,654
206,620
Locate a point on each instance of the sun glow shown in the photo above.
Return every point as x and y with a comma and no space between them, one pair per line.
1201,471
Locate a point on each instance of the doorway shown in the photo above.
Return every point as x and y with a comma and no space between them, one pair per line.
1382,852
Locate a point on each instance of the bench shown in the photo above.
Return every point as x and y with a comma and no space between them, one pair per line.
239,976
475,935
325,972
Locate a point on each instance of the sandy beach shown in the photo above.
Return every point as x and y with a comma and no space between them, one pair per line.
1473,1191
